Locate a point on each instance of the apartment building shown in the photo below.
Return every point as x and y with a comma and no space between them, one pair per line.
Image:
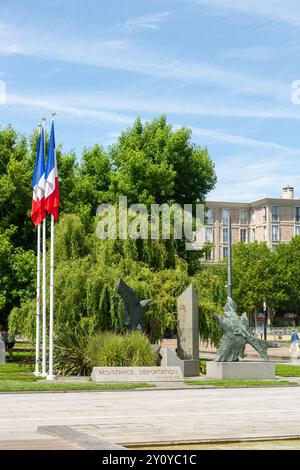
270,220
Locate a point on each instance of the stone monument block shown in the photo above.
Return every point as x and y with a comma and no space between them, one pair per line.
186,355
188,325
136,374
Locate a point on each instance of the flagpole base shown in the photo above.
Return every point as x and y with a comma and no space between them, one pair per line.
51,377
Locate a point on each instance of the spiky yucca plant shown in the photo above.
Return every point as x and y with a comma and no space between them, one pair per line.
70,353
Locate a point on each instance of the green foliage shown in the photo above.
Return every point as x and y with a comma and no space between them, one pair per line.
70,353
156,164
202,367
70,239
253,276
17,273
149,163
259,274
105,309
112,350
22,320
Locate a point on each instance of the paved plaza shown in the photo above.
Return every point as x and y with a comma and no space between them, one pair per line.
149,416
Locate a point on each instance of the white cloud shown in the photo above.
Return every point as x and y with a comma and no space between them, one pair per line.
258,53
212,135
200,106
127,56
277,11
71,111
153,21
103,115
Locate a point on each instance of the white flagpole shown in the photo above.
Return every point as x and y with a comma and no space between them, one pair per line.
38,289
51,375
44,328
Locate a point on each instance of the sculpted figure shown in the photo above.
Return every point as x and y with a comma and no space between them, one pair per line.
237,335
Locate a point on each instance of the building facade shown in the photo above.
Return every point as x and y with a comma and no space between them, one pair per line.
270,220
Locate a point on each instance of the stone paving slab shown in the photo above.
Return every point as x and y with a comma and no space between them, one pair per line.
153,416
85,441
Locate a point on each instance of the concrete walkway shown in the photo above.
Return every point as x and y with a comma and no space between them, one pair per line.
151,416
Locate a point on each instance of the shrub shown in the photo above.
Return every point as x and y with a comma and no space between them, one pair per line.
112,350
70,353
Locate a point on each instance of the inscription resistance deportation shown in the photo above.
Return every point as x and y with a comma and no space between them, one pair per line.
136,374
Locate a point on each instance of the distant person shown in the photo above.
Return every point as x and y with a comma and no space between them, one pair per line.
294,340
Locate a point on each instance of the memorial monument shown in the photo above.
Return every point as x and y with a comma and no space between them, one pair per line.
134,308
233,343
186,355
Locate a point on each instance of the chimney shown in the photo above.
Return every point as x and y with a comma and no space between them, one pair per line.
288,192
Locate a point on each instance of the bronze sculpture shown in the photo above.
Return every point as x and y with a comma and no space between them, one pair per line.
237,335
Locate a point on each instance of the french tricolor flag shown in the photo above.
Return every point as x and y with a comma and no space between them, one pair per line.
51,191
38,212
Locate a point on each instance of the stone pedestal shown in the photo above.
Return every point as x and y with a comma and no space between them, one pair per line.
240,370
188,367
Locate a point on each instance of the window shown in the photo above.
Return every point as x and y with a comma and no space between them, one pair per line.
208,255
297,214
265,234
225,216
209,216
274,247
208,235
297,230
243,235
243,216
264,214
253,235
253,217
225,252
275,233
225,235
275,213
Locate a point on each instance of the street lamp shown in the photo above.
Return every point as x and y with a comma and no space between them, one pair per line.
265,308
229,260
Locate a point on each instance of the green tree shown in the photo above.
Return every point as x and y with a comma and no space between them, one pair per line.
154,164
253,269
287,278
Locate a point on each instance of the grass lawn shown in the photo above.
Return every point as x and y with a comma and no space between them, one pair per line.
286,370
20,356
15,378
242,383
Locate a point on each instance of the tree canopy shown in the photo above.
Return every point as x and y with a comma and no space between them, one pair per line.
149,163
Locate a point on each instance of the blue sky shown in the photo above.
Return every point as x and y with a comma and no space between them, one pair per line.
224,68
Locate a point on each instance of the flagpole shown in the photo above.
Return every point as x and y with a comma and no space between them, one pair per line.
44,327
38,289
51,375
